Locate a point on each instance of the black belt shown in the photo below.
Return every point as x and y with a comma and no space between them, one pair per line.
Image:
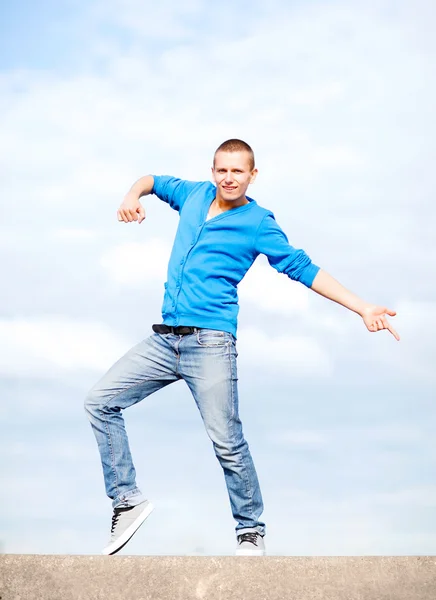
180,330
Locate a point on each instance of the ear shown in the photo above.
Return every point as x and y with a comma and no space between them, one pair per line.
213,173
254,173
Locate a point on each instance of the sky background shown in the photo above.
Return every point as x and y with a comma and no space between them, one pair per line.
337,99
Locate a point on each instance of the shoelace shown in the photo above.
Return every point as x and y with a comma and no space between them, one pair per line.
115,518
249,536
116,515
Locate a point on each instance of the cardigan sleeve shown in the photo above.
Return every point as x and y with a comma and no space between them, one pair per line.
173,191
273,243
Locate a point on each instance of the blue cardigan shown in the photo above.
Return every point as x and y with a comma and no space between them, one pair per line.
209,258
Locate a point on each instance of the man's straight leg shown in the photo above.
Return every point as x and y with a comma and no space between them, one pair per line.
208,365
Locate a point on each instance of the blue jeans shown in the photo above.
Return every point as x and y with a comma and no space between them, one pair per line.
206,360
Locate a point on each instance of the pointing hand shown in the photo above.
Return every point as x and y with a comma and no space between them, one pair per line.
375,319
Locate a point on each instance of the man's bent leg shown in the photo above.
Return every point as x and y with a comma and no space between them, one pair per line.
147,367
208,365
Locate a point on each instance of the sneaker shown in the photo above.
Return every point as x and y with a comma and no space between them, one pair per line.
250,543
125,522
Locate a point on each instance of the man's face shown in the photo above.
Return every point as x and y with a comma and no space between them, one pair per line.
233,173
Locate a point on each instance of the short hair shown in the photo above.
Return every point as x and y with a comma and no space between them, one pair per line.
235,145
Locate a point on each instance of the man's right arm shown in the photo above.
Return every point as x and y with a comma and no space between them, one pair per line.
169,189
131,209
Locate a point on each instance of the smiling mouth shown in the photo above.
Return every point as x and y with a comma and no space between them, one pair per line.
228,188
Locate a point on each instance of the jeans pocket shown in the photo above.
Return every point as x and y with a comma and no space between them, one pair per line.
212,338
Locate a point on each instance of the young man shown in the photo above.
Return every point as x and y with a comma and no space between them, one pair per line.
221,232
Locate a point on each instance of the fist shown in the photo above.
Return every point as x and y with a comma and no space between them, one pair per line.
131,210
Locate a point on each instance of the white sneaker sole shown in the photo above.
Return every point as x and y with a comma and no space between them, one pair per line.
125,537
250,553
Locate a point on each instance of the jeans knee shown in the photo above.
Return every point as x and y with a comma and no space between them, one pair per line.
229,451
91,403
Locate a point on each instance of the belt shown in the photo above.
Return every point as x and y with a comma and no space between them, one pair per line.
180,330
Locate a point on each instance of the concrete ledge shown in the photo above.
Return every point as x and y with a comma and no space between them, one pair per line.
36,577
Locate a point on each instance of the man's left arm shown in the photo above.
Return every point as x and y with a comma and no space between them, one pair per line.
373,316
271,240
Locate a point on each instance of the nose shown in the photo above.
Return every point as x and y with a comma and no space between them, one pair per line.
229,177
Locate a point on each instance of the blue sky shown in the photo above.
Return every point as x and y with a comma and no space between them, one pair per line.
337,100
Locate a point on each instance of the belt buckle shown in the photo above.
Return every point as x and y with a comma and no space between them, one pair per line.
185,330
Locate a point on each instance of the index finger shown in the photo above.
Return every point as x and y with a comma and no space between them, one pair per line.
389,327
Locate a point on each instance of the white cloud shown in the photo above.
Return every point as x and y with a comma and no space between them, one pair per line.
414,357
404,436
48,347
155,20
392,433
79,235
300,437
317,95
421,496
64,451
134,263
297,355
272,291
